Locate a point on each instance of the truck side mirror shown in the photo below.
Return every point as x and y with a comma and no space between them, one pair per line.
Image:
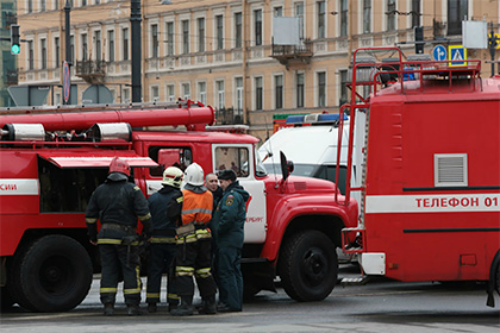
286,166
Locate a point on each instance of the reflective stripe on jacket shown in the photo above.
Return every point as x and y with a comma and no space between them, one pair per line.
197,207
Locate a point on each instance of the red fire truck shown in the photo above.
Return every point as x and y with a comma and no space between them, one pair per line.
430,207
52,160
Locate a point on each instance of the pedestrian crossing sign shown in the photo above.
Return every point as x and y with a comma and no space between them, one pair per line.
457,52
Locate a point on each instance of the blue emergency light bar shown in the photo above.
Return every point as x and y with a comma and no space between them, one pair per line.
295,119
321,118
330,117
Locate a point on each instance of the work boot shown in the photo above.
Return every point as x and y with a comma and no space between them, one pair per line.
172,306
186,308
133,310
109,309
209,306
152,308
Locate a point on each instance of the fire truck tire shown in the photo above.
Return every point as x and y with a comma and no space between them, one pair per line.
53,274
497,279
308,266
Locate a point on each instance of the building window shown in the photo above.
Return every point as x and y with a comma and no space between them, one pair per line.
84,3
30,55
220,94
321,19
170,38
43,50
299,12
343,88
155,94
201,34
97,45
30,6
154,41
278,91
219,19
258,26
84,46
56,4
186,91
43,5
57,45
344,18
239,95
258,93
278,11
202,92
111,46
391,15
126,95
300,90
171,93
367,16
415,13
185,37
321,89
125,43
238,30
458,10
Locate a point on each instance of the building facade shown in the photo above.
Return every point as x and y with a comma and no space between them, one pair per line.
8,68
227,54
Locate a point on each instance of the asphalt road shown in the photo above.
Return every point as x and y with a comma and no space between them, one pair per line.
379,306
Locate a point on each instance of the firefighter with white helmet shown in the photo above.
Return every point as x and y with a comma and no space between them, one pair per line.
117,204
194,255
165,206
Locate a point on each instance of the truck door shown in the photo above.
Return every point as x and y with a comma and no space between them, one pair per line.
241,158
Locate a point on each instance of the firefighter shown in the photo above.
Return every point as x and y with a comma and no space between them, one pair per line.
117,203
230,217
165,206
194,253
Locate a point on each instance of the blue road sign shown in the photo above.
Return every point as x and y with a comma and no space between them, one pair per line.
439,53
457,52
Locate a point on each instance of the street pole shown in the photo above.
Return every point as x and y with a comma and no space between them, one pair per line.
136,57
67,10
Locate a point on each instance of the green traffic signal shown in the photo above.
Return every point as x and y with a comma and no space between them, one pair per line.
15,49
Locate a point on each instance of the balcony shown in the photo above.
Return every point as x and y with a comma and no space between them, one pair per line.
92,71
229,116
285,53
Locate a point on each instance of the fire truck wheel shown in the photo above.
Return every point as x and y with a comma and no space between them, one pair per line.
53,274
308,266
497,279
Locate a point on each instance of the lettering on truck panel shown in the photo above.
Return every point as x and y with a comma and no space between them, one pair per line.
18,186
486,202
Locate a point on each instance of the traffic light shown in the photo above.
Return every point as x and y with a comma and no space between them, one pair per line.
419,38
15,40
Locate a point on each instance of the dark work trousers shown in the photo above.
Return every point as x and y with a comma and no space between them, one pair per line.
161,257
230,277
194,258
114,266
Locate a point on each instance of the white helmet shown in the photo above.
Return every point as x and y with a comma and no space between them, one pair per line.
194,174
172,176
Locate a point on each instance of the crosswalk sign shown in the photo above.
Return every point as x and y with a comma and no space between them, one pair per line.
456,53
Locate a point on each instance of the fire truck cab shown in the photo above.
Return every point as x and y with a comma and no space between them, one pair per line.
52,161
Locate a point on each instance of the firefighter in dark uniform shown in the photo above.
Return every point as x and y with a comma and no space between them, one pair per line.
230,217
194,255
117,203
166,207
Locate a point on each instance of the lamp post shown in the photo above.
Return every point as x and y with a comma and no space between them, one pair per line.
136,58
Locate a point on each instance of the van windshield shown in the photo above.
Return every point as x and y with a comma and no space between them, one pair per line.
313,170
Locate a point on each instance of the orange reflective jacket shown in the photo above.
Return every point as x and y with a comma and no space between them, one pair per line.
197,207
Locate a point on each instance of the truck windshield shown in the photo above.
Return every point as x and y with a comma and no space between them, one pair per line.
313,170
